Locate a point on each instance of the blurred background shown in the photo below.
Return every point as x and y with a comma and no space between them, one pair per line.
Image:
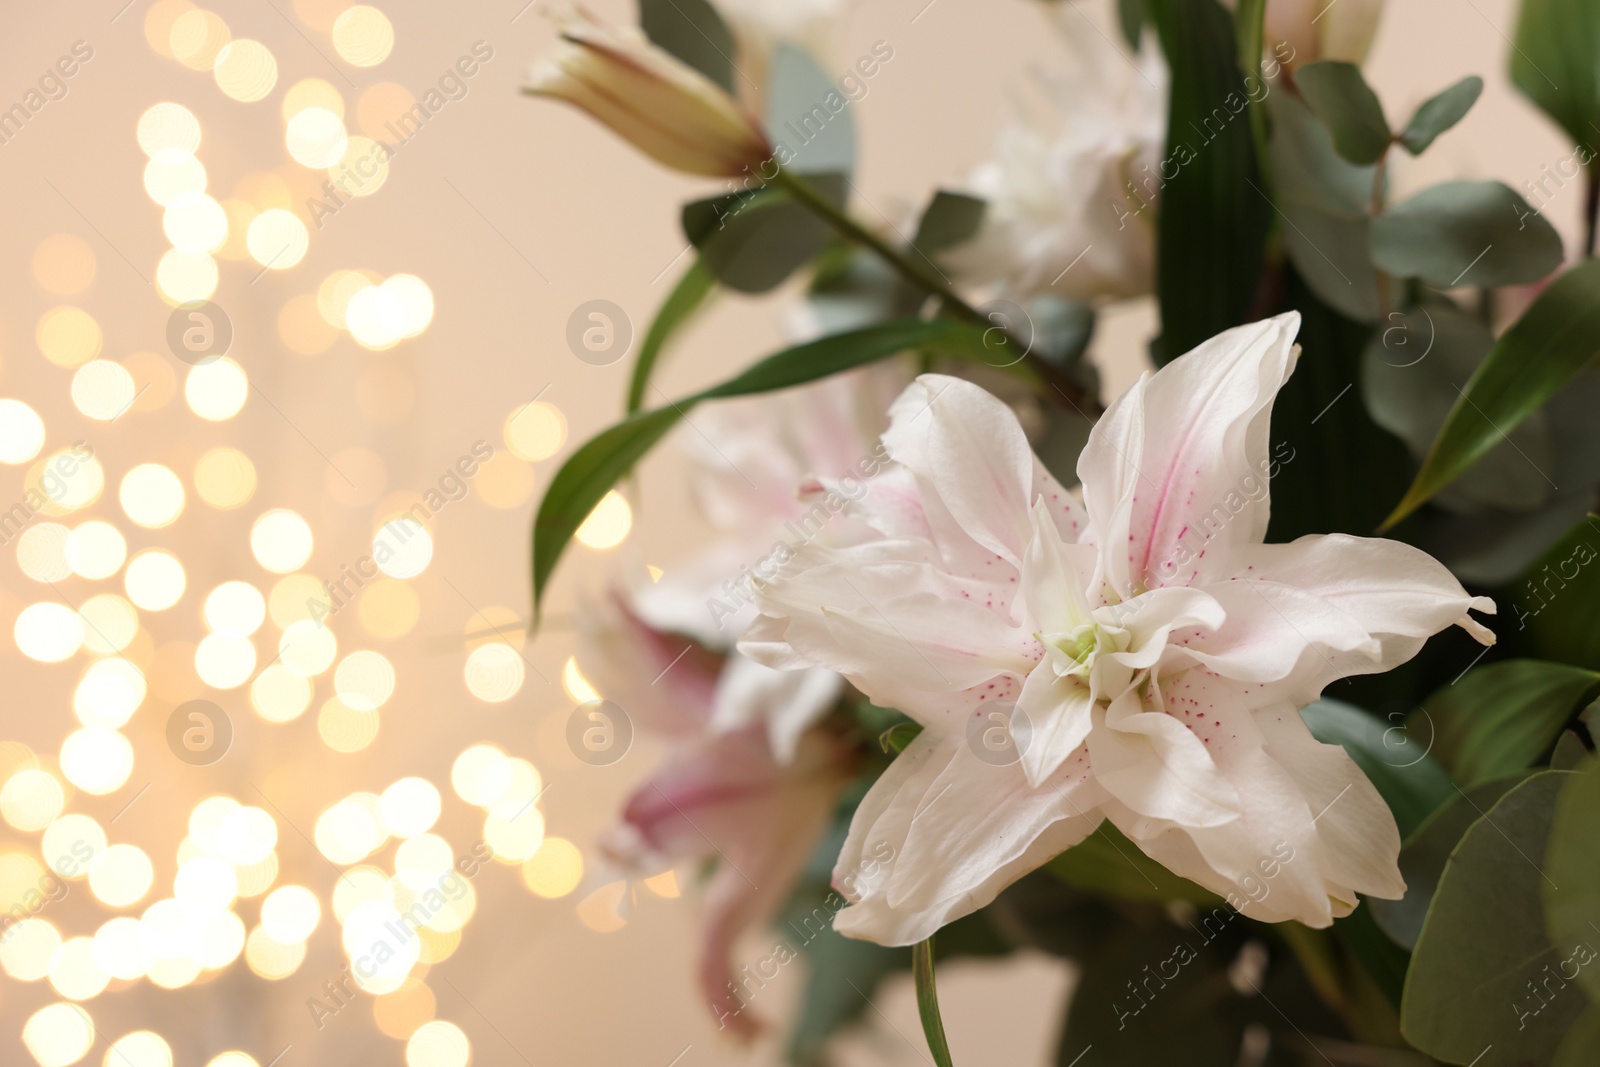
214,774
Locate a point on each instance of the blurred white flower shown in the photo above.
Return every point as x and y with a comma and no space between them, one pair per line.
1155,649
666,109
1073,187
750,780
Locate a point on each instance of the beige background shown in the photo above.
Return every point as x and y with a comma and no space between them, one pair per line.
514,211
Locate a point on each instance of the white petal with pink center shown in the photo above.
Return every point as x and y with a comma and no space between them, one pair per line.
1155,650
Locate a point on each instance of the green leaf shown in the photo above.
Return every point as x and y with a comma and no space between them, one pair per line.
1130,19
1555,60
928,1002
1467,997
1346,104
1106,862
1501,719
693,32
842,973
1581,1046
1409,375
949,219
1557,603
1214,211
685,299
1555,338
752,241
1159,994
809,121
1572,860
1249,32
1478,234
1323,198
1569,754
1406,776
1440,112
591,471
1423,857
1337,470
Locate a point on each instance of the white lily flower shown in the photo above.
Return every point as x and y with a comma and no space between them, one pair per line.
1155,648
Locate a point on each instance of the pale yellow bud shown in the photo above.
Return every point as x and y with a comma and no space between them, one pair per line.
666,109
1317,29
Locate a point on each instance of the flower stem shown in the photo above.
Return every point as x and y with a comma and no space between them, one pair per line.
928,1002
926,277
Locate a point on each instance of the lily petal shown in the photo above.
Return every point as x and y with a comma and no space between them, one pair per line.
942,833
1157,766
966,445
1187,458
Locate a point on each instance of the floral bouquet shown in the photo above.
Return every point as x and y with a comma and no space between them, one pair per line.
1260,691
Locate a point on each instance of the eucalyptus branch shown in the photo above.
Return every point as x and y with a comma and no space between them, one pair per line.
923,277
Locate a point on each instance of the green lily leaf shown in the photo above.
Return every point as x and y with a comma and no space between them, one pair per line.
1215,213
687,297
1467,994
1440,112
1346,104
1409,375
1555,338
1555,60
1501,719
1581,1046
591,471
1558,601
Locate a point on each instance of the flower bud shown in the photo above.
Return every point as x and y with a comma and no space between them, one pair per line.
1317,30
668,110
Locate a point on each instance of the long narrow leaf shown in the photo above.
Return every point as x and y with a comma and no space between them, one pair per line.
1555,338
685,299
928,1002
591,471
